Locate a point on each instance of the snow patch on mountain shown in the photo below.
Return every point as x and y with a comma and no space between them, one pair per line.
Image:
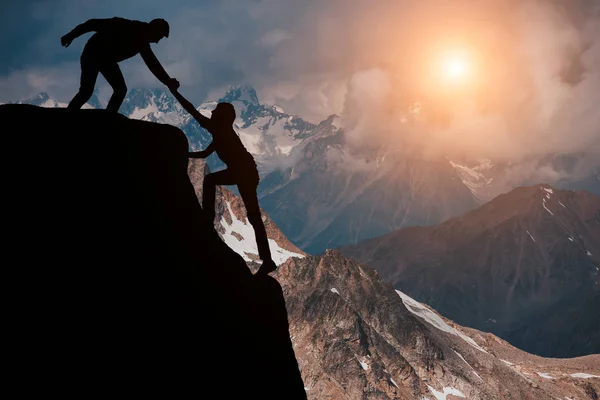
545,207
50,103
584,376
465,361
544,375
446,391
363,364
430,317
239,236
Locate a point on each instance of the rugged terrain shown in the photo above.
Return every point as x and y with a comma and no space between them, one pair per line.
355,337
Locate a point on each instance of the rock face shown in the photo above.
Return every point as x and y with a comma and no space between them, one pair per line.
117,282
355,337
525,266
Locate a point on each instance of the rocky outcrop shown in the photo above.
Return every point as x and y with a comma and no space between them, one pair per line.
116,282
355,337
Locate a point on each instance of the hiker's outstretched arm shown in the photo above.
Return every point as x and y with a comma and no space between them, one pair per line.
91,25
154,65
189,107
204,153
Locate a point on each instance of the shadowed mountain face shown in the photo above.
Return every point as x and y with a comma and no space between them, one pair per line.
119,284
327,200
525,266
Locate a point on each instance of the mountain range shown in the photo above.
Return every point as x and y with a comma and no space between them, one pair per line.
524,266
324,193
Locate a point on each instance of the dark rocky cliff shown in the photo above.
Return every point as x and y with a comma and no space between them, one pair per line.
115,282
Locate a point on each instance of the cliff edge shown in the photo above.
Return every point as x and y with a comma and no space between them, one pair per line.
116,283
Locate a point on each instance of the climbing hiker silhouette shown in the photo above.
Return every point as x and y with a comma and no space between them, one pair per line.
241,171
116,39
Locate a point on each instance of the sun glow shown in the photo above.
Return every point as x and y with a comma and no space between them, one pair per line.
455,67
452,73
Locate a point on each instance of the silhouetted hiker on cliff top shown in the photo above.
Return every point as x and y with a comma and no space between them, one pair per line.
241,171
116,39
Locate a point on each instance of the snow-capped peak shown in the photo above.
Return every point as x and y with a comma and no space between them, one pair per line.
266,131
38,99
245,94
155,105
42,99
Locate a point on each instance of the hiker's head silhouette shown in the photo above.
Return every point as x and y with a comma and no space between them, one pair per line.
159,28
224,113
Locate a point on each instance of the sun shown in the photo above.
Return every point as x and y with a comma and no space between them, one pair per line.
455,67
452,72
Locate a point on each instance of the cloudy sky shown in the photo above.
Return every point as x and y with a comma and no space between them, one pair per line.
533,81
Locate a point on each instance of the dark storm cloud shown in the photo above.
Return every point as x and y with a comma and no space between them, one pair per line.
211,44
